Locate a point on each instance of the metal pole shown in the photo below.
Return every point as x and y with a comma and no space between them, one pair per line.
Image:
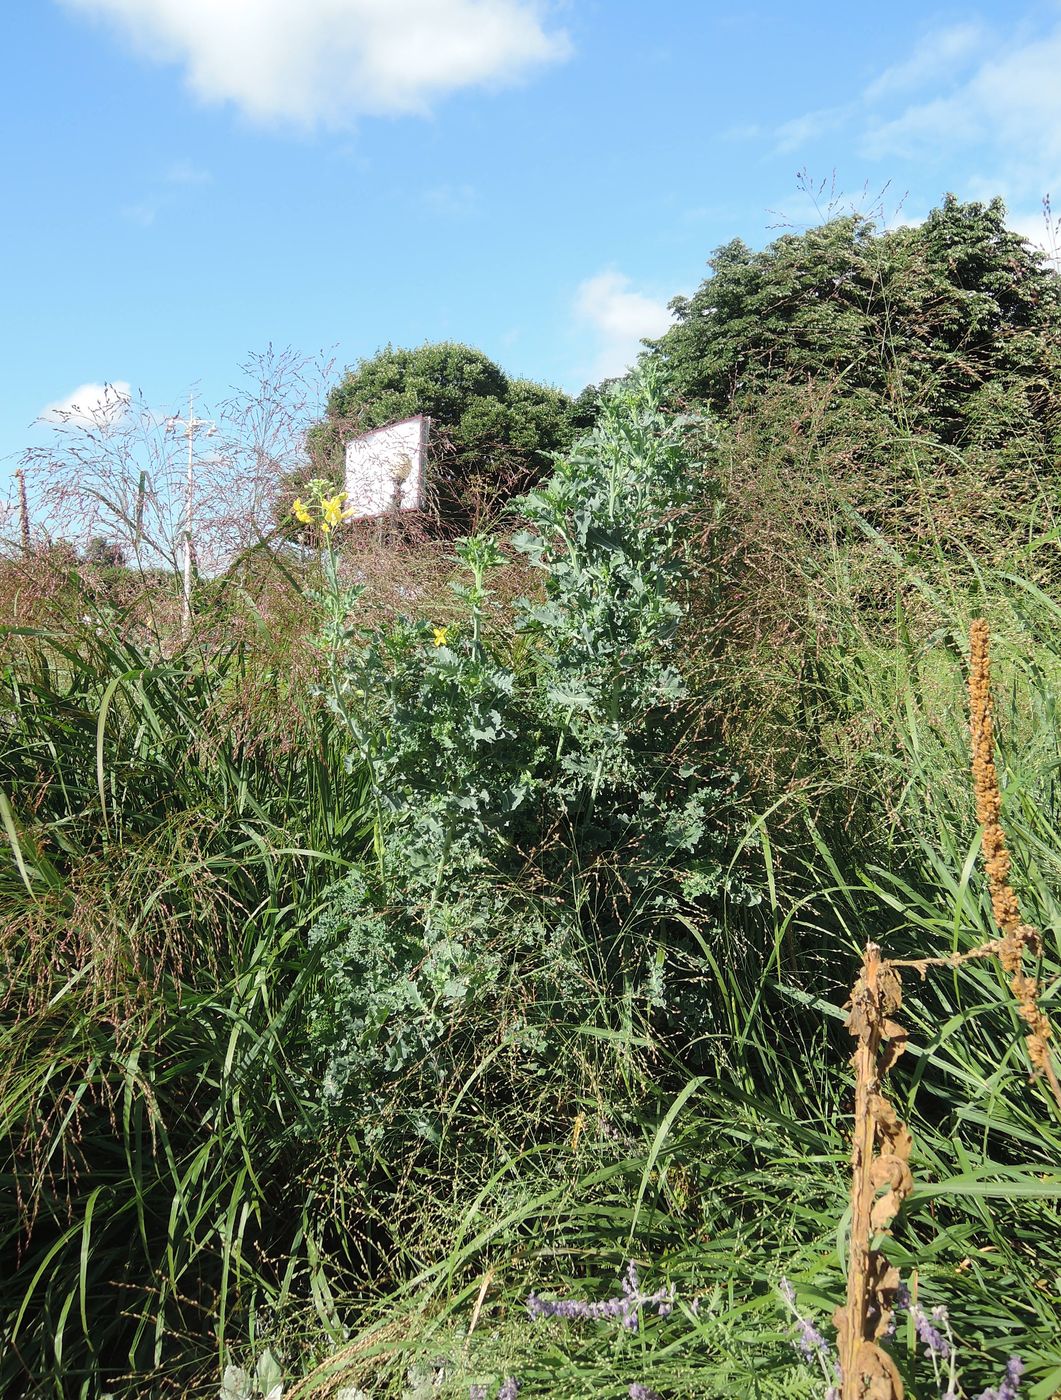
186,607
188,426
23,510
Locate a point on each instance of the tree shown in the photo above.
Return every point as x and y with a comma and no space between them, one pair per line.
492,436
917,366
915,322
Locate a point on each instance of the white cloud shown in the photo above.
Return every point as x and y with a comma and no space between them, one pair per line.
90,405
797,132
934,59
620,319
1009,105
945,121
326,61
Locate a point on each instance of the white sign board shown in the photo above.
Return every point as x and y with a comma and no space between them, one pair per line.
385,468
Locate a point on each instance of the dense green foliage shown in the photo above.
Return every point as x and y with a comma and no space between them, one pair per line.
921,365
953,324
358,985
512,766
492,434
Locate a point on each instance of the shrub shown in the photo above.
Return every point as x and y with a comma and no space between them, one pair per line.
541,806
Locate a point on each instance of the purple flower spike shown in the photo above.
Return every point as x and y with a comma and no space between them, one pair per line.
813,1347
624,1309
642,1392
1010,1386
477,1392
935,1342
509,1390
809,1340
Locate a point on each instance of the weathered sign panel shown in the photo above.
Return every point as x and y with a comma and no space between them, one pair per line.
385,468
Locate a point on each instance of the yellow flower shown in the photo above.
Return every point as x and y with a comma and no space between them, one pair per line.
332,512
299,511
441,636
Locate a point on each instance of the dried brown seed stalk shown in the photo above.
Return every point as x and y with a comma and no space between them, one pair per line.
880,1159
1017,937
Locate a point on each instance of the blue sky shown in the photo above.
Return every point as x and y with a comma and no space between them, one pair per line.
190,180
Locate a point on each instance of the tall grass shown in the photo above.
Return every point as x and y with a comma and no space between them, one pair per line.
889,702
170,827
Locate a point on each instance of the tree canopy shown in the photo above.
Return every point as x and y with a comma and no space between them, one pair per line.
492,435
953,325
918,363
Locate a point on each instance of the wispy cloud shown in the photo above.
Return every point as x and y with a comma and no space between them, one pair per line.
620,317
1010,100
329,61
451,201
935,59
144,212
961,88
179,175
791,135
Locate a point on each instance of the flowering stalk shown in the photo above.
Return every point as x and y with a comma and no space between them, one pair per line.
327,512
1010,1386
1017,937
813,1347
626,1308
880,1155
933,1330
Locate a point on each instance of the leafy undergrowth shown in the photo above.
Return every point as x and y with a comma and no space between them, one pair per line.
341,1024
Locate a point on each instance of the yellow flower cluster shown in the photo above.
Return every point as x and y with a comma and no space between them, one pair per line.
329,511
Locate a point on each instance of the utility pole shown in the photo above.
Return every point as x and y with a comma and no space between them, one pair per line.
23,510
188,427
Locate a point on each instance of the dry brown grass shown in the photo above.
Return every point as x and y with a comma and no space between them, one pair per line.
1018,938
880,1161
